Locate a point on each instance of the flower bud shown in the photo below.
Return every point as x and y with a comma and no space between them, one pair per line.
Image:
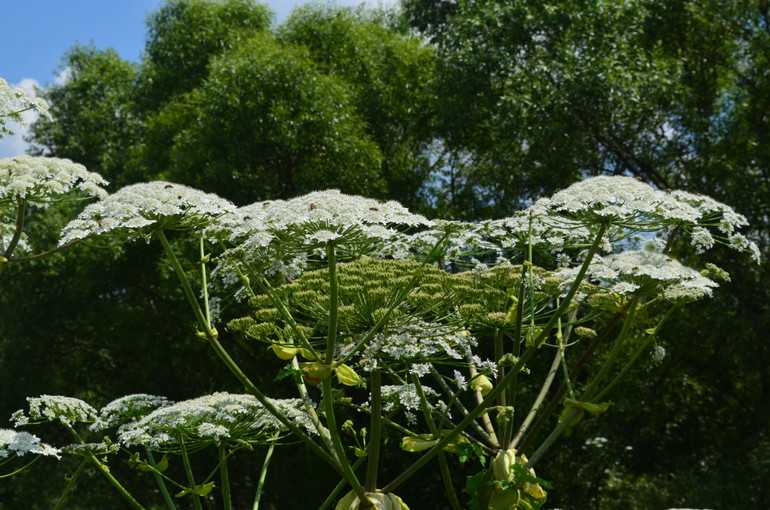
502,464
418,443
378,500
284,352
315,371
481,383
347,376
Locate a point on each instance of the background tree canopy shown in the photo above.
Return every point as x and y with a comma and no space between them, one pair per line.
465,109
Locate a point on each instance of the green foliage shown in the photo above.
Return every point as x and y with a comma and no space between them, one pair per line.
269,124
391,78
93,122
184,36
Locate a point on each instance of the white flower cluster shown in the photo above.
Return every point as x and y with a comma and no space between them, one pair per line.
38,179
404,397
14,101
628,271
629,203
20,444
49,408
134,209
211,419
127,409
320,216
416,340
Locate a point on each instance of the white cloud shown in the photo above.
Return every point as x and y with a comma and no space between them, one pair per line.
14,144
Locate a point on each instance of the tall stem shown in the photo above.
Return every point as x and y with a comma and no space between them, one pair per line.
263,475
446,475
21,209
375,432
190,477
105,471
492,395
224,477
161,482
328,397
223,355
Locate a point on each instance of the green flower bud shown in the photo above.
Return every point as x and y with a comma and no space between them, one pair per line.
284,352
418,443
481,383
502,464
347,376
585,332
378,500
315,371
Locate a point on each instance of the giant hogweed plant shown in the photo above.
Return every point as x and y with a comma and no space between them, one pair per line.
395,331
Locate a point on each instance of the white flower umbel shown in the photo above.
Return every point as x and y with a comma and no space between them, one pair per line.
627,203
322,216
211,420
50,408
414,342
127,409
40,179
20,444
629,271
14,101
136,209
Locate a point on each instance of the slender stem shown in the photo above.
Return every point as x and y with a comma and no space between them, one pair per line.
161,482
204,283
105,471
492,395
263,476
375,430
21,209
231,364
224,477
328,397
347,471
332,497
323,432
446,475
71,483
538,400
22,468
459,405
479,399
190,476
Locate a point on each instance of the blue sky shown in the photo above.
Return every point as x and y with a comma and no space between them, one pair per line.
36,33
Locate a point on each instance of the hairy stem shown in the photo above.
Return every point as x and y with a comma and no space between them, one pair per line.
190,476
224,477
21,209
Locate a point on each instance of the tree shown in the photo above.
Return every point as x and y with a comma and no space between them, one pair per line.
391,79
92,121
267,124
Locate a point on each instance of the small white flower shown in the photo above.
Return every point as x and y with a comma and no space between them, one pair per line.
40,179
48,408
20,444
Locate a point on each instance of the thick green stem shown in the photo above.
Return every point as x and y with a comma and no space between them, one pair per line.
190,477
538,400
492,395
446,475
161,482
224,478
375,432
21,209
223,355
263,475
347,471
328,398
